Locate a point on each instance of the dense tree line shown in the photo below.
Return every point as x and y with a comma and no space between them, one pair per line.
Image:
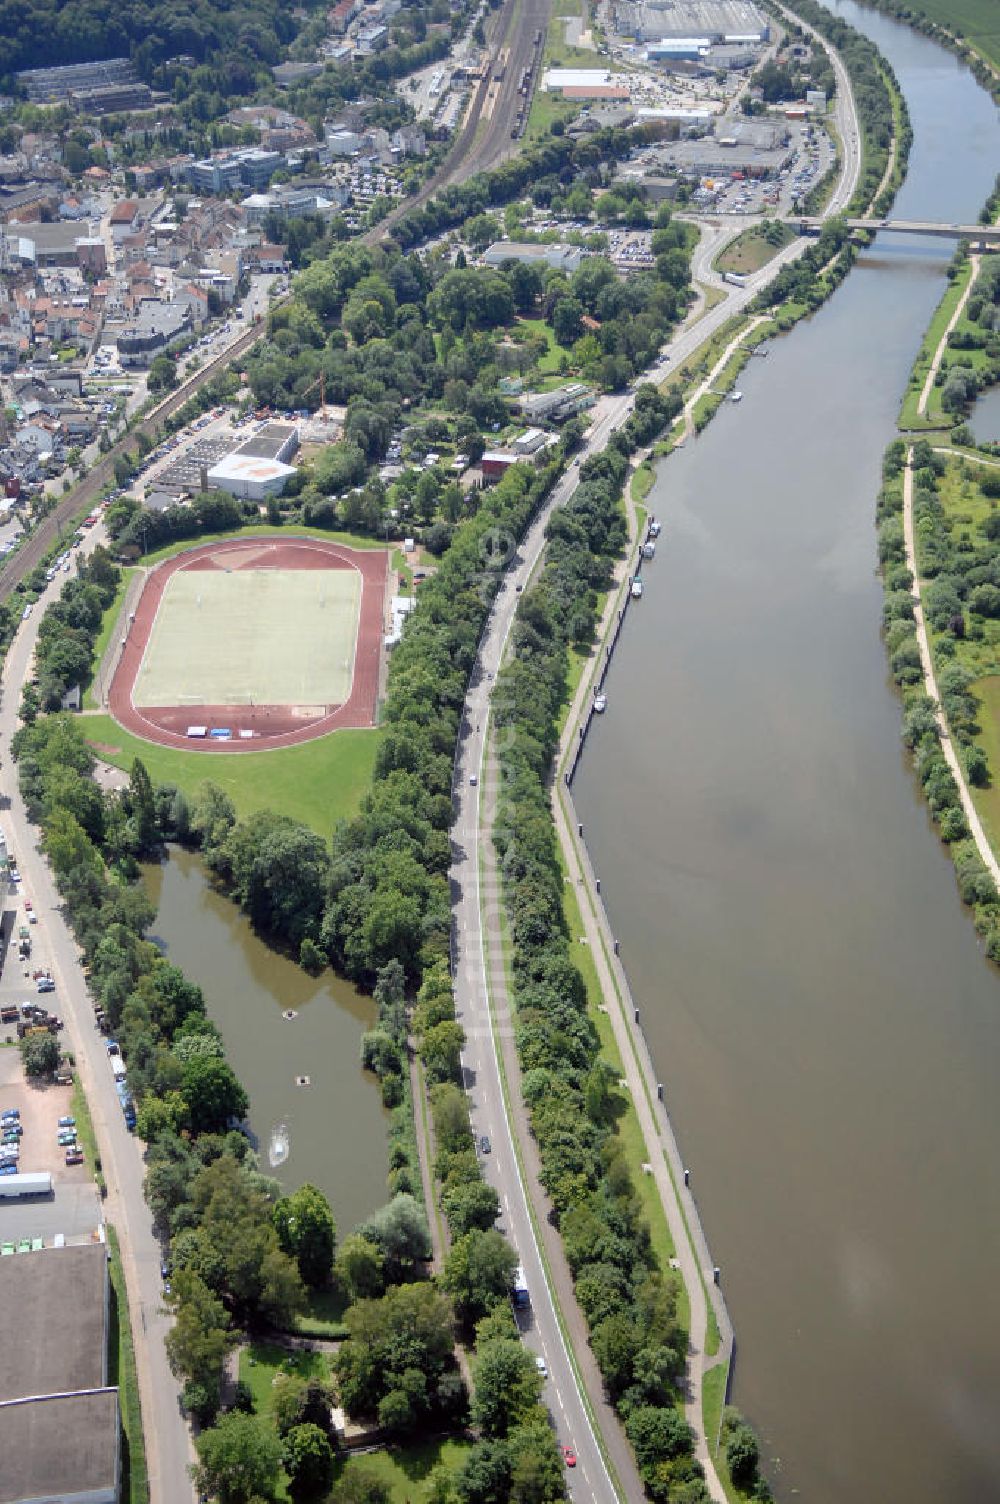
65,646
978,330
134,529
961,600
40,34
811,278
629,1302
557,158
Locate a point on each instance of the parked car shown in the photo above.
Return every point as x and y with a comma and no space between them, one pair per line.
46,984
67,1122
74,1156
66,1138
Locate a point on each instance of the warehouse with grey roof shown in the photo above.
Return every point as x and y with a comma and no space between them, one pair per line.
59,1420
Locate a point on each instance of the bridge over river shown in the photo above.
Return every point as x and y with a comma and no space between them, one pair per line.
984,235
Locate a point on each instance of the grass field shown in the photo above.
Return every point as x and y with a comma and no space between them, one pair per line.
550,361
252,636
752,250
977,20
405,1471
320,782
987,801
909,418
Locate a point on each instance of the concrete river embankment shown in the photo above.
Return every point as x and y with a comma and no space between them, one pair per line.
825,1026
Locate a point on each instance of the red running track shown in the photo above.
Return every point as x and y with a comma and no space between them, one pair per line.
272,725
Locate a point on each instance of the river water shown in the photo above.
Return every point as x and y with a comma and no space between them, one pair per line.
984,419
336,1126
826,1027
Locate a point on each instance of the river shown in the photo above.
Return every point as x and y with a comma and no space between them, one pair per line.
826,1027
337,1128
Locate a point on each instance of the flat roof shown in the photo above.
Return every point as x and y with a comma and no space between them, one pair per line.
54,1321
249,467
576,78
62,1446
269,440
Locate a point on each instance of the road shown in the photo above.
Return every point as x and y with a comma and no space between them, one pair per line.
168,1442
481,1055
844,114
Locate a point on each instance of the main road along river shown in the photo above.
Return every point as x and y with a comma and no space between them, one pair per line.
825,1026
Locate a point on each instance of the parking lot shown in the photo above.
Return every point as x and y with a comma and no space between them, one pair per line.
41,1107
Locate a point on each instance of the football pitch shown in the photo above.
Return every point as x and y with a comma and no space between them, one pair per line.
252,636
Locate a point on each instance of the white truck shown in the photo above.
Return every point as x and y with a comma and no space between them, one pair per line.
33,1183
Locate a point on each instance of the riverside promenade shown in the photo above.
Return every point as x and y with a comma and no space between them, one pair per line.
711,1337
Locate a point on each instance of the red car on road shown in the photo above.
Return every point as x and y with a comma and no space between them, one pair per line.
569,1456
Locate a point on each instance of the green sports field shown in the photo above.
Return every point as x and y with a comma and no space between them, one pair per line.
252,636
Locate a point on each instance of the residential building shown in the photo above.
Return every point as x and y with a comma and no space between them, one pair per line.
496,462
124,219
112,99
563,402
51,85
154,327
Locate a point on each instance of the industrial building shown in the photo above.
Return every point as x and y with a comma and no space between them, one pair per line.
735,150
250,478
562,258
59,1422
586,83
275,441
696,23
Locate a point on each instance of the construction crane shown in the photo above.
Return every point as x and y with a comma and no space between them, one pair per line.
321,383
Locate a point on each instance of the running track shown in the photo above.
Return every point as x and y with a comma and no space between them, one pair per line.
273,725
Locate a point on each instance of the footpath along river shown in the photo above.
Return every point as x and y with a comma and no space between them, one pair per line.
336,1126
826,1028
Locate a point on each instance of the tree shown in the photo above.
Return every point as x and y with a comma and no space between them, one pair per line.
238,1459
399,1231
505,1385
359,1266
468,1205
296,1401
308,1461
566,316
742,1455
479,1272
143,830
440,1051
362,1483
306,1230
39,1053
213,1094
200,1337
